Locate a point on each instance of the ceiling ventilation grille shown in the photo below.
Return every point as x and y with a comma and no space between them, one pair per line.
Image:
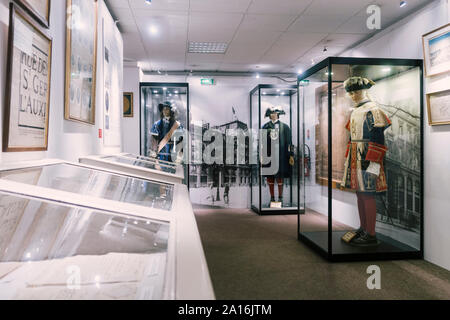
208,47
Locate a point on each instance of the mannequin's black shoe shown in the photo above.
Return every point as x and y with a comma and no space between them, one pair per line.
280,199
358,232
272,199
364,240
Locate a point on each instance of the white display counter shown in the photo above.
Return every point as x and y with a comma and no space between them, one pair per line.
91,201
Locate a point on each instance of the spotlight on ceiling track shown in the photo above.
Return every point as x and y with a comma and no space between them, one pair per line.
257,76
148,1
325,49
403,3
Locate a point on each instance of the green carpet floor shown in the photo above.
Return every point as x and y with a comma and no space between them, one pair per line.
253,257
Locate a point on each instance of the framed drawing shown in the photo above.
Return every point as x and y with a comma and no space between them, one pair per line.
112,45
128,104
81,61
436,51
39,9
27,97
438,104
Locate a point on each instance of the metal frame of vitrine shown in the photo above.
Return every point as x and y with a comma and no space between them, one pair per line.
142,116
328,254
259,210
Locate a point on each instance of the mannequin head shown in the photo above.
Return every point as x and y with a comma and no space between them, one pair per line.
273,113
167,112
358,95
357,87
274,116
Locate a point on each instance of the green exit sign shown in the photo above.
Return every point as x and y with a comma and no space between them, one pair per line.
207,82
304,82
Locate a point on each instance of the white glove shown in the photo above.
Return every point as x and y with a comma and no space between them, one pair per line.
374,168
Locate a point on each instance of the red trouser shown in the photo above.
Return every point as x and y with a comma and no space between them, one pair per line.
271,182
367,208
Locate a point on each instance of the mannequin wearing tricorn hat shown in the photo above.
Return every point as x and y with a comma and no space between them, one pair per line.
279,131
163,130
364,163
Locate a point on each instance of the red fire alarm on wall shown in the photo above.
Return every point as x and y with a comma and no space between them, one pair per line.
100,133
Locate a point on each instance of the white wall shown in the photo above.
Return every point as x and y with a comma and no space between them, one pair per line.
67,140
404,40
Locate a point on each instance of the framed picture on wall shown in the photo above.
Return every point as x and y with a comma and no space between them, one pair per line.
81,61
39,9
438,104
128,105
27,98
436,51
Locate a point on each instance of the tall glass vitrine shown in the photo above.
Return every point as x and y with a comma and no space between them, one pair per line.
361,122
152,95
274,185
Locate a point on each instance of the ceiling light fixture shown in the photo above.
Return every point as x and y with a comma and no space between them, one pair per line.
403,3
148,1
208,47
300,71
153,30
325,49
257,76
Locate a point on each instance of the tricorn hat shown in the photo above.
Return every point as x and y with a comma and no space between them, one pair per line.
357,83
167,104
273,109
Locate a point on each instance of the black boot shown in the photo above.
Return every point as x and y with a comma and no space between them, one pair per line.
364,240
358,232
272,199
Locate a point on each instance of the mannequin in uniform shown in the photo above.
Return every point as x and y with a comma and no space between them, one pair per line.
280,131
162,132
364,165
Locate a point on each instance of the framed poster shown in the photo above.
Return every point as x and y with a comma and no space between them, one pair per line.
27,97
112,81
81,61
438,104
39,9
128,105
436,51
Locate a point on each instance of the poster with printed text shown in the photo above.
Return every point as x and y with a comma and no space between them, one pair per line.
81,60
28,85
113,79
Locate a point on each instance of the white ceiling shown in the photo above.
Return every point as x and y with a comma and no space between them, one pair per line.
263,35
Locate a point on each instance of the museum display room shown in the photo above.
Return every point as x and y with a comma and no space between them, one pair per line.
229,150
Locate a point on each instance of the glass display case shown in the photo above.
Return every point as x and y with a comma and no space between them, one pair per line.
88,181
93,193
361,122
150,168
153,96
273,123
53,251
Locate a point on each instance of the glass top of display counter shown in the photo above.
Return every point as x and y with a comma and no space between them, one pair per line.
87,181
138,157
142,163
48,249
